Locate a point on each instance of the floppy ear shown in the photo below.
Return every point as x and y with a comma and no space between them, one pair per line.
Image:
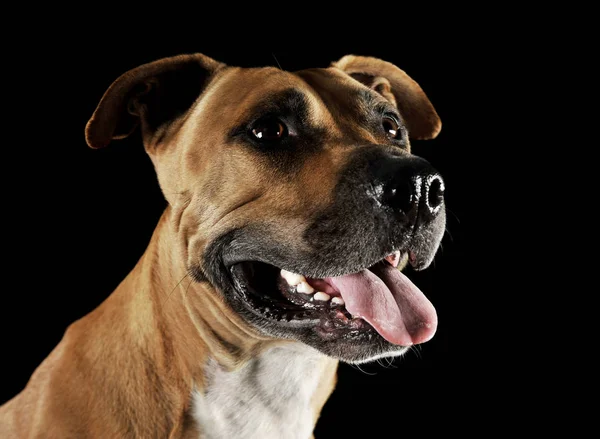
151,95
419,115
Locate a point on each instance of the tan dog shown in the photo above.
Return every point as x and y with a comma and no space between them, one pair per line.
293,201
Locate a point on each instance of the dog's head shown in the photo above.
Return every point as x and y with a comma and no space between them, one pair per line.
295,195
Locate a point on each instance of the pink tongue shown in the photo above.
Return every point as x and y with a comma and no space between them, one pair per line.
390,302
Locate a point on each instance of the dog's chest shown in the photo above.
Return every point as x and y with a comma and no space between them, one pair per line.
267,398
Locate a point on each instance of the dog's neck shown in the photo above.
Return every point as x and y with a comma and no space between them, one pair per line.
191,315
191,340
272,396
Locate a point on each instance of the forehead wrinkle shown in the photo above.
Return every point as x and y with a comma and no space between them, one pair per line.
347,102
319,82
318,111
369,100
294,96
367,97
281,102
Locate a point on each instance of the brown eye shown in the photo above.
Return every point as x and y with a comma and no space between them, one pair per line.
391,128
269,130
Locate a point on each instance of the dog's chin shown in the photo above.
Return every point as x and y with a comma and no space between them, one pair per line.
311,310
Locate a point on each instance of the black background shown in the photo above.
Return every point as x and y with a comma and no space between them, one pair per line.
77,220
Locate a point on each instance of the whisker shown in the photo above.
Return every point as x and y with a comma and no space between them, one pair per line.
390,363
416,349
188,287
386,363
275,58
357,366
447,230
178,283
453,214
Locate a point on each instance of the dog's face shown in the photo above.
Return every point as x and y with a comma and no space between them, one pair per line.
294,195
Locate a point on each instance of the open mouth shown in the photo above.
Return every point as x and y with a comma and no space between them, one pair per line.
379,299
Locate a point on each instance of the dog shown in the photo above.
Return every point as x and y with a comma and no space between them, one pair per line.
293,203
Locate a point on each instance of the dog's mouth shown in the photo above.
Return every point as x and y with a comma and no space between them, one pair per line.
378,298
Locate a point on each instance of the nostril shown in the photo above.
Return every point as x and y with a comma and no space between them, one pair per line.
435,192
399,196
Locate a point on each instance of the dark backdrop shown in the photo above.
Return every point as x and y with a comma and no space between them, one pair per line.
77,220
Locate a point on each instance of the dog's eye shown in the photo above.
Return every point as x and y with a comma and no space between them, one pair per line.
391,128
269,130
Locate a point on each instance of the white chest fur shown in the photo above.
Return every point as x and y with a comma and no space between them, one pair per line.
269,397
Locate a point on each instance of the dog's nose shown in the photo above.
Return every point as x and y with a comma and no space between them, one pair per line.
412,187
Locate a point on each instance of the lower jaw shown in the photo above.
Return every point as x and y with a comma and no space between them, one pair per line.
327,321
357,343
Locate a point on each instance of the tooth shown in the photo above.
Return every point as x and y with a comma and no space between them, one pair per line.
337,301
322,296
292,279
393,258
403,261
304,287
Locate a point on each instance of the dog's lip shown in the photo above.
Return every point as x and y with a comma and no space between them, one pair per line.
319,267
331,271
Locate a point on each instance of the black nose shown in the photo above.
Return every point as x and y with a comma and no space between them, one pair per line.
412,187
